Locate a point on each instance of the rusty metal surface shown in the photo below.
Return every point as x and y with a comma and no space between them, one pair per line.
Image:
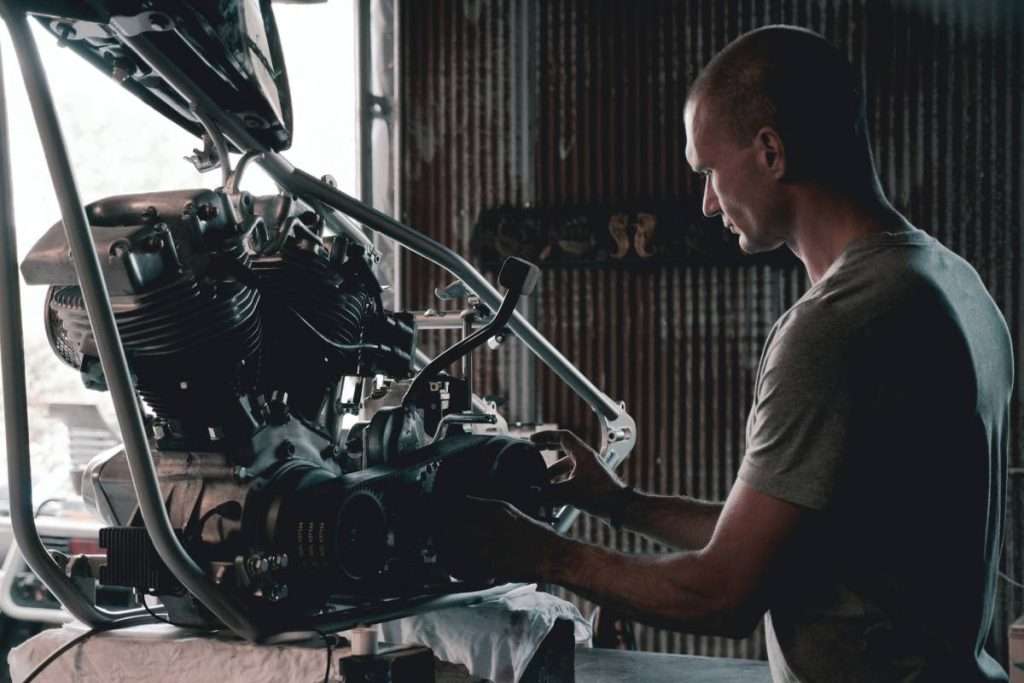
523,102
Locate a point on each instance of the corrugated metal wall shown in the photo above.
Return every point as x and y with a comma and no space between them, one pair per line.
524,102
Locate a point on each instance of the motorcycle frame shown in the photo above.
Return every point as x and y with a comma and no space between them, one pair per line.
618,428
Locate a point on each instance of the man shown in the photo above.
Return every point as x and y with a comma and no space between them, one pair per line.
866,521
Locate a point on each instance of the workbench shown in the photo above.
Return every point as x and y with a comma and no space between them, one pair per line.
616,666
164,654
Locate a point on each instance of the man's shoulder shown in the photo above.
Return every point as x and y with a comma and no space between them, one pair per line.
811,334
816,317
866,290
883,278
893,295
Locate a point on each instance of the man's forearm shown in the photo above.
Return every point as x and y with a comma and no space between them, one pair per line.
677,591
678,521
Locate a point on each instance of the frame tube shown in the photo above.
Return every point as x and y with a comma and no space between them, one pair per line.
618,427
29,547
108,342
12,350
302,183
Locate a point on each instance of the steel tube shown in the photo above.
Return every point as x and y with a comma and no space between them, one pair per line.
108,342
303,184
467,360
12,351
202,104
446,320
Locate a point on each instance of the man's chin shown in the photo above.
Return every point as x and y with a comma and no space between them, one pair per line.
749,247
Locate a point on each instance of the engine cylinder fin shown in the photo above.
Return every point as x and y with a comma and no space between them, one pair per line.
298,283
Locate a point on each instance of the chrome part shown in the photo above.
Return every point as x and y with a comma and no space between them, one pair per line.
465,419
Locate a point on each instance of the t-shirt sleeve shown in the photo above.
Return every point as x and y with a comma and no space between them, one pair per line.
797,431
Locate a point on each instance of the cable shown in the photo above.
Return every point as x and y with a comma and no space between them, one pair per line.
327,642
82,637
153,614
58,652
39,508
345,347
1010,581
208,630
219,144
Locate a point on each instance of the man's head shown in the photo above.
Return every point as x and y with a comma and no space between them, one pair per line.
777,109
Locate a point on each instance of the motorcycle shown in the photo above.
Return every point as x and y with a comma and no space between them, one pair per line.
290,456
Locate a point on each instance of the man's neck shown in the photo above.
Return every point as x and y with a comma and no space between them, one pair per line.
824,224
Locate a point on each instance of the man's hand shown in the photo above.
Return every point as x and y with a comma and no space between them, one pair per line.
490,538
590,485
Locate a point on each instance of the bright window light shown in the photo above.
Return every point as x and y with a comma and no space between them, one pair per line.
119,146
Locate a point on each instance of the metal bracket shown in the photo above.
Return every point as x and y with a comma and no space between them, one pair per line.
144,22
207,158
453,292
618,437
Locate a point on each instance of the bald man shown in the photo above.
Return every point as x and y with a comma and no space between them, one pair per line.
866,521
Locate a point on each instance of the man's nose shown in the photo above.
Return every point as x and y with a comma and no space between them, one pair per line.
710,206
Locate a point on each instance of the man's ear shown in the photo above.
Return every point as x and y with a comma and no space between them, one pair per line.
771,153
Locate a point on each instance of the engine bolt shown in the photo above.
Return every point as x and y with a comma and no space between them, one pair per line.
158,22
67,32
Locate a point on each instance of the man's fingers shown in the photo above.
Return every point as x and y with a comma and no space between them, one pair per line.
548,439
480,499
561,468
559,439
561,493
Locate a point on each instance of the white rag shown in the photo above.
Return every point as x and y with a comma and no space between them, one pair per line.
494,640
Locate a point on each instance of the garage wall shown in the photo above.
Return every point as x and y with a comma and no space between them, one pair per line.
578,103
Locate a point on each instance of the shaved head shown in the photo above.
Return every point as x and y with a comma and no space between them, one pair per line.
792,80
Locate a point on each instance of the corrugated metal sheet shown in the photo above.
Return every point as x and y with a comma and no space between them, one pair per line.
566,103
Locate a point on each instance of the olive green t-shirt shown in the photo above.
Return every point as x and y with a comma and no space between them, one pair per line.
882,404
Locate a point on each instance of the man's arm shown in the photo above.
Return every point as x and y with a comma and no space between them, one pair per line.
724,588
678,521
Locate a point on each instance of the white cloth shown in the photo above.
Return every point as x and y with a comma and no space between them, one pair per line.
160,653
494,640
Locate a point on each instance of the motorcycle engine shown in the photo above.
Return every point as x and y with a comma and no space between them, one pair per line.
292,462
